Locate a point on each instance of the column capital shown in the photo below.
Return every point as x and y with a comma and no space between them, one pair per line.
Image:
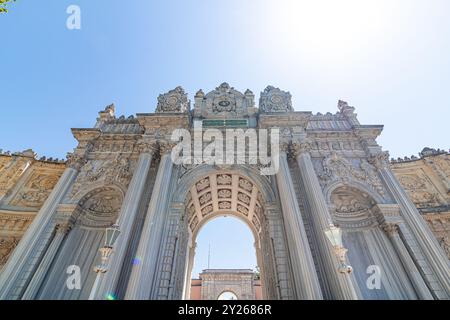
300,147
147,146
165,147
63,228
284,147
380,160
75,161
390,228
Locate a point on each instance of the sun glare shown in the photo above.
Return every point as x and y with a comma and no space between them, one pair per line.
328,29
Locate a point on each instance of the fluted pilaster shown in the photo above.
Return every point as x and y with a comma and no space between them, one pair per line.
425,238
18,270
422,291
127,216
340,284
142,280
60,233
306,282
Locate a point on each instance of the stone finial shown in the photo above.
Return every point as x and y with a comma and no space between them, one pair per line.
174,101
107,114
348,111
29,153
430,152
109,111
343,106
275,100
199,94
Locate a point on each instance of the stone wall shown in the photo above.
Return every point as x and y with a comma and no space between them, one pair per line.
25,183
426,179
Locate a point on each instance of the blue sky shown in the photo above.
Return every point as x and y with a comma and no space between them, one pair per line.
389,59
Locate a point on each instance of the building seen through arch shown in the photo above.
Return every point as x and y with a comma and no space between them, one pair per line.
316,177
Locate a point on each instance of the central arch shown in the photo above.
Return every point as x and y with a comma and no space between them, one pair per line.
225,194
206,192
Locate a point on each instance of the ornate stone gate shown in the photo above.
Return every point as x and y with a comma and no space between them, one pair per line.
331,171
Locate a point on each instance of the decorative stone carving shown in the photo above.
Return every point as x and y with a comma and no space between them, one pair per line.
344,107
202,184
119,170
390,228
348,201
10,176
205,198
36,190
338,168
298,148
380,160
224,194
256,222
445,244
421,192
275,100
224,100
242,209
75,161
147,146
165,147
224,205
246,185
174,101
243,198
100,207
6,248
207,210
224,180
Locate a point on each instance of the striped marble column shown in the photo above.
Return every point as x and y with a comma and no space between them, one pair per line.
425,238
414,275
108,283
306,282
340,284
60,233
142,280
18,270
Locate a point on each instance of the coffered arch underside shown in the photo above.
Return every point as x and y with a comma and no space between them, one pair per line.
224,194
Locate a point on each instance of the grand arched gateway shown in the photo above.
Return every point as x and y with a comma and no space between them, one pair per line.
327,177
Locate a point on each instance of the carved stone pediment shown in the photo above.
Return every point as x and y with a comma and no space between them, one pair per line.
275,100
338,168
224,101
100,207
174,101
118,170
